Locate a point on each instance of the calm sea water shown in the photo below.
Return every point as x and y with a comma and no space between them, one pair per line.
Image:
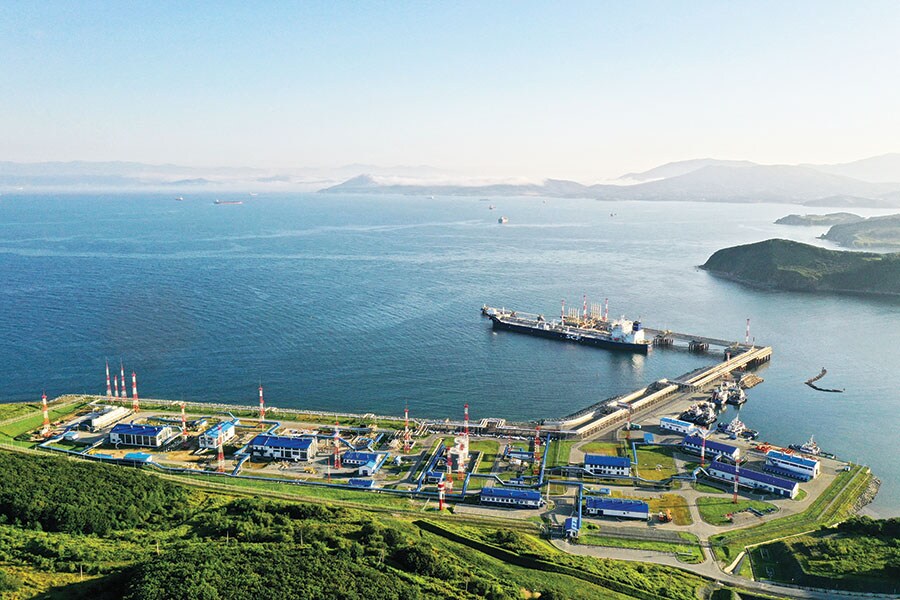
369,303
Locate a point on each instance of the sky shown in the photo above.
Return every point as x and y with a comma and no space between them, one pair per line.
579,90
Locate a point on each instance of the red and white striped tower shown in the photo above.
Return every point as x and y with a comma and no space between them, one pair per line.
337,447
116,382
703,434
221,460
45,430
461,459
108,387
262,404
440,495
466,413
449,466
183,423
562,312
747,338
407,446
124,393
135,404
606,312
737,475
537,449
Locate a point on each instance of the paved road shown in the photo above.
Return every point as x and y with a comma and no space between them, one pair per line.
708,568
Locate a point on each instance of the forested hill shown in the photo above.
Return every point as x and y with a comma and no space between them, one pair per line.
872,232
787,265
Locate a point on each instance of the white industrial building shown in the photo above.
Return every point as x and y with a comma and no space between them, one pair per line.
792,465
754,479
283,447
129,434
677,425
103,417
511,497
614,466
210,437
694,444
616,507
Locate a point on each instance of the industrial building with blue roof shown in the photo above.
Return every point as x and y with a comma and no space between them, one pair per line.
284,447
803,467
616,507
753,479
355,459
694,444
210,437
130,434
511,497
615,466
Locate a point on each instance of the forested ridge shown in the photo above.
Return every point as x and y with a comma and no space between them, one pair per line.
73,530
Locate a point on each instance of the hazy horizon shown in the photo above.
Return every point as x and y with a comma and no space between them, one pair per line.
582,91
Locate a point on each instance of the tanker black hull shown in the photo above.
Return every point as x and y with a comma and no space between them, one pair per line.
587,340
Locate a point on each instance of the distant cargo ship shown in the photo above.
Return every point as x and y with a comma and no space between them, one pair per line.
217,201
618,335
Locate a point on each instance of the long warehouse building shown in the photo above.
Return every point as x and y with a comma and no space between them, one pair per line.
754,479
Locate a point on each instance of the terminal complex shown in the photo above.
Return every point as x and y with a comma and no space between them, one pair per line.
620,459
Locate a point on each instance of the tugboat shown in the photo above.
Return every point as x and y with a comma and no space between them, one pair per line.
503,220
810,447
728,393
700,414
736,427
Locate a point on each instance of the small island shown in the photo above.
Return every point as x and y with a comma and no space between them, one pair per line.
786,265
829,219
872,232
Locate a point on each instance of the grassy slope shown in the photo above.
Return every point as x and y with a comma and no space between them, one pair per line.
832,560
833,506
790,265
713,509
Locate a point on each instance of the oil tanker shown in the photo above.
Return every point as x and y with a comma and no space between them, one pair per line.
621,334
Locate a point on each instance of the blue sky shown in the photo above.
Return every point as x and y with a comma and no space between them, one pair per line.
580,90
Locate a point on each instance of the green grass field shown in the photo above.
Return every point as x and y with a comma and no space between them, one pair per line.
708,489
34,421
308,491
687,552
603,448
655,462
558,455
713,509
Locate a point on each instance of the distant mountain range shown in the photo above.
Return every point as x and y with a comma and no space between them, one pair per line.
117,175
705,180
872,182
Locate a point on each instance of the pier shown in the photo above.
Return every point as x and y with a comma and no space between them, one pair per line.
612,412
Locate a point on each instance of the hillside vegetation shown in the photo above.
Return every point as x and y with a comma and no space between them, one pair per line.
102,533
859,554
820,220
787,265
872,232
